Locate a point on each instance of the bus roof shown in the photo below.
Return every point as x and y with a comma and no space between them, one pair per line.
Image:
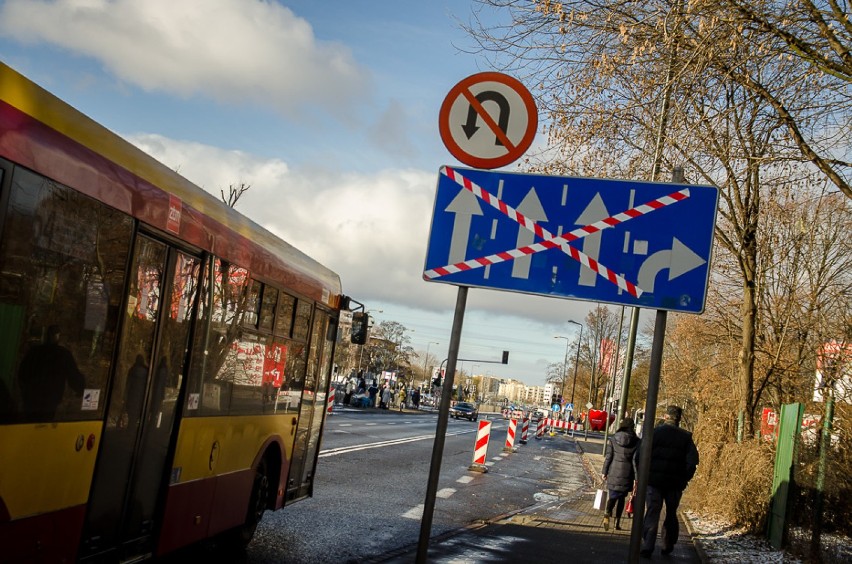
35,123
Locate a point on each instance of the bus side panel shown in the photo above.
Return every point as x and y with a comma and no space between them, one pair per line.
230,504
186,516
29,485
45,502
50,537
213,474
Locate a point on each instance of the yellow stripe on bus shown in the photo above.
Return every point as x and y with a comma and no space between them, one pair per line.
210,446
45,467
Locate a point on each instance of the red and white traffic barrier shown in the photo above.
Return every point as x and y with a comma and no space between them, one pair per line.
510,436
525,430
480,448
539,429
330,407
558,424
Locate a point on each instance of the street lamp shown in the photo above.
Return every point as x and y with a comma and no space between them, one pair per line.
564,363
400,356
576,360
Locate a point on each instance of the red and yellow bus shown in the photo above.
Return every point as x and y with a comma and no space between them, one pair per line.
164,361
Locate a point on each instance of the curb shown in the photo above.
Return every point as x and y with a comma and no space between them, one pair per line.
696,543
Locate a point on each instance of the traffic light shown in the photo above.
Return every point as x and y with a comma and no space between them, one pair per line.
505,357
360,325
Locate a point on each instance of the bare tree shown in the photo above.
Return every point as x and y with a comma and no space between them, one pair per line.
816,37
235,191
629,86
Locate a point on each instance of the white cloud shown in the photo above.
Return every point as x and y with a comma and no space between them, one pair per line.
234,51
370,228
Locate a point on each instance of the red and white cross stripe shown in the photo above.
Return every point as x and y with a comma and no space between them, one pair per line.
550,241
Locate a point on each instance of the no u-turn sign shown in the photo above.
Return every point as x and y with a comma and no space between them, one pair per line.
488,120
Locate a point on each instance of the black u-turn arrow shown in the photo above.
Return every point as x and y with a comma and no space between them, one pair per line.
470,128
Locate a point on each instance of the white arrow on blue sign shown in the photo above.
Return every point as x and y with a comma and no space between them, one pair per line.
644,244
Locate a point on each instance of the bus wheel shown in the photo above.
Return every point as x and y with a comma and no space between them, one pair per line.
239,537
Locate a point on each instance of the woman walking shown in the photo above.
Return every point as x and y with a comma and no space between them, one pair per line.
620,470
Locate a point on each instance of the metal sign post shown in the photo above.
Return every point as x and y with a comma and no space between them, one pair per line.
441,430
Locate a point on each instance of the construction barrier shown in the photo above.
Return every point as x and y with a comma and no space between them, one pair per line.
480,448
510,436
525,430
560,424
330,408
539,429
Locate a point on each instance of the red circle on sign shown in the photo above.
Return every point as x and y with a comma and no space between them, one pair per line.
515,147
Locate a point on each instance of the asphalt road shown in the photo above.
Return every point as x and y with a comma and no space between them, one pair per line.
371,485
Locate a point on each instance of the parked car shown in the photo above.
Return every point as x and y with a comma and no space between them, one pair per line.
465,409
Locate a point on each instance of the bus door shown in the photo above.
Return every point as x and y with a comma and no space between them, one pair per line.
312,408
132,467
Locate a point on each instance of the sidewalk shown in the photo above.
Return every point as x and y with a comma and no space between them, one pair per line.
550,531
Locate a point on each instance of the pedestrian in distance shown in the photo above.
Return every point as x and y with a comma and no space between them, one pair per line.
350,389
386,397
620,470
402,398
373,391
674,459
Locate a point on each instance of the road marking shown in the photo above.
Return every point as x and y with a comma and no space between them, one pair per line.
355,448
465,479
414,513
445,493
345,425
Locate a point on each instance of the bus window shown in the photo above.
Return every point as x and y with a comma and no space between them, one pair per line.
243,369
284,315
267,308
252,305
290,394
223,303
63,257
303,320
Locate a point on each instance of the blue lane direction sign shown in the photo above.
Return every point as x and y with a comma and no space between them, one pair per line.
644,244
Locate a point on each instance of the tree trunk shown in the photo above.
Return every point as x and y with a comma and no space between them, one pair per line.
746,356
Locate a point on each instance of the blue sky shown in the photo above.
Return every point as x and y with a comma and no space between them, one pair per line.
329,110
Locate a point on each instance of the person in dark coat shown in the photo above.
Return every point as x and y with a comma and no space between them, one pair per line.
44,374
674,459
620,469
134,395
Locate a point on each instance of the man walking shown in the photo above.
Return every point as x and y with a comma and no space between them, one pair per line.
674,459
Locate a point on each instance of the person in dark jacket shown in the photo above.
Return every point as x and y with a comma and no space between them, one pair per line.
44,374
620,469
674,459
